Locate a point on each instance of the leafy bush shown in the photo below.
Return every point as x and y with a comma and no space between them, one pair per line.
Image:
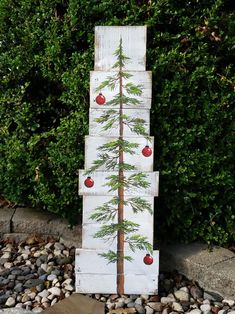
46,53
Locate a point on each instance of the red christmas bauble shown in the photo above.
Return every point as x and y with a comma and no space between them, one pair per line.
147,151
100,99
89,182
148,260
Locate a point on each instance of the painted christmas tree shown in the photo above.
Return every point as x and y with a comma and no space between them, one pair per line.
118,184
111,157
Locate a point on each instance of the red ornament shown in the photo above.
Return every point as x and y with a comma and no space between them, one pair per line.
89,182
100,99
147,151
148,260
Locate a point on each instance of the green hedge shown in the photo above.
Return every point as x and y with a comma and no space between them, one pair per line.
46,53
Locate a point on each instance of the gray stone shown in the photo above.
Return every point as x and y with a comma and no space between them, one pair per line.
19,287
119,304
5,219
33,283
51,277
157,306
196,292
149,310
140,309
212,296
139,301
131,304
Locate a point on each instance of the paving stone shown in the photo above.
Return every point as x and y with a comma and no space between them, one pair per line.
5,218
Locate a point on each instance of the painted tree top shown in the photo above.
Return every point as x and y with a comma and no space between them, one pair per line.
134,45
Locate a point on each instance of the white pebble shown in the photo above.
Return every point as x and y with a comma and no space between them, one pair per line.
6,255
185,289
205,308
49,245
51,277
8,265
44,300
37,310
195,311
67,282
37,254
44,266
53,301
69,288
166,300
10,302
38,298
55,291
229,302
182,295
177,307
44,293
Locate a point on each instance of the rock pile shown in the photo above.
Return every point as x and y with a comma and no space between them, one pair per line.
36,274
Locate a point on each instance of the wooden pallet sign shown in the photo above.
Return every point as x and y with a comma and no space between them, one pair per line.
118,184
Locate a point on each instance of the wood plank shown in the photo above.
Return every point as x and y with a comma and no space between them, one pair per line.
106,243
92,143
134,46
92,202
88,261
100,184
97,128
104,275
144,79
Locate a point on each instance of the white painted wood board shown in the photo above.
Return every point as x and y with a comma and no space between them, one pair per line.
143,79
100,265
106,243
142,163
96,128
90,203
139,278
100,184
134,46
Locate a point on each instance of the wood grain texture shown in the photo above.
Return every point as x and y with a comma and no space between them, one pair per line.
92,143
142,79
134,45
97,128
100,184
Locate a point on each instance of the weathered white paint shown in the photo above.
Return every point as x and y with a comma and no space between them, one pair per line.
93,273
89,230
134,46
139,278
96,128
101,179
92,143
90,203
143,79
101,265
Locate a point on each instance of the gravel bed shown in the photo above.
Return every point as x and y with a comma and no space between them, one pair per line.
36,274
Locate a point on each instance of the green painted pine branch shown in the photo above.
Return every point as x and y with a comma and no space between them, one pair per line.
140,242
112,257
126,226
139,204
